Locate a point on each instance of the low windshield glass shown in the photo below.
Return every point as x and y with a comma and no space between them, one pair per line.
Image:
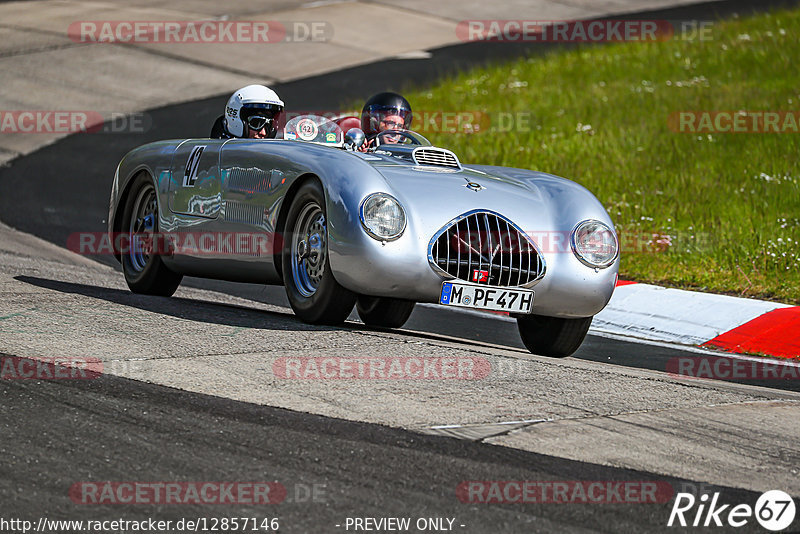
314,129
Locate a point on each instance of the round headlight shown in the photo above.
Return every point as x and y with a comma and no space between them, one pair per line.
383,217
595,244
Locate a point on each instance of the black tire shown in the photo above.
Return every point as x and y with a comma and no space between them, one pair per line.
145,272
384,312
552,336
314,294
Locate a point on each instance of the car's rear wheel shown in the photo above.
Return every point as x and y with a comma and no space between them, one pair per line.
314,294
142,265
384,312
552,336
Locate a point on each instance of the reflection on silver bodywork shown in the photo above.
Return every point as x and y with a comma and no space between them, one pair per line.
201,205
249,180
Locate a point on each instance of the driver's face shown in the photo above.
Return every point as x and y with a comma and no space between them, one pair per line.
260,134
391,122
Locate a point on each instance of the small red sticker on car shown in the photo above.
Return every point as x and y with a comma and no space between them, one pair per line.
479,275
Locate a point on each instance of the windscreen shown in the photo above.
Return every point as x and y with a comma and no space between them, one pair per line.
314,129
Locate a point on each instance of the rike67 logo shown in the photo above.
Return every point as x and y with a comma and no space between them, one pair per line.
774,510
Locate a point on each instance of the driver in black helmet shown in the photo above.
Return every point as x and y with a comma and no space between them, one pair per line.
384,111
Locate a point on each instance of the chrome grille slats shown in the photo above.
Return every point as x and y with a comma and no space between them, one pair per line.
243,213
480,244
470,256
519,269
527,256
448,251
487,249
458,253
435,156
500,252
467,249
486,243
511,257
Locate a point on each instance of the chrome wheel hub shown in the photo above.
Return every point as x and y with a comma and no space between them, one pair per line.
309,249
142,228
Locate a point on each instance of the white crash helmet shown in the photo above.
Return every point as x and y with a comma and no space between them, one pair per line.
255,103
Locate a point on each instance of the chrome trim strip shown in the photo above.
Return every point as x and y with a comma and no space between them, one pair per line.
519,271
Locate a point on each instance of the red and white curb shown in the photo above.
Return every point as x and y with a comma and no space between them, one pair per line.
661,315
733,324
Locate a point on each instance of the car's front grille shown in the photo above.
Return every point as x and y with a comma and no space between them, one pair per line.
435,156
484,247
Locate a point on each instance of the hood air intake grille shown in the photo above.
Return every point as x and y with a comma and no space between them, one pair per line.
438,157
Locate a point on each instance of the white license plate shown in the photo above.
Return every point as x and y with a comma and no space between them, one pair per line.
486,297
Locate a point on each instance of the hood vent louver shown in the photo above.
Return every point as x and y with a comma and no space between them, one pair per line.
437,157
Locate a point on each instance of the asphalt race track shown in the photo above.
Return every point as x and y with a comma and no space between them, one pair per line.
118,429
192,405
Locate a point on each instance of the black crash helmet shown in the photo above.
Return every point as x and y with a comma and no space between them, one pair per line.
381,106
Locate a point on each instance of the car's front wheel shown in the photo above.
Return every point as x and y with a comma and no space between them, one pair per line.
314,294
384,312
144,270
552,336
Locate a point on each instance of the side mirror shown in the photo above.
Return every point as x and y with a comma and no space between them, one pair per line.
354,138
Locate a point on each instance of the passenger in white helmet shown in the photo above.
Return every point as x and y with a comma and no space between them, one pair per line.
251,112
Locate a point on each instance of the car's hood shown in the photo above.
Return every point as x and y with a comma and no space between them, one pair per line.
434,196
450,192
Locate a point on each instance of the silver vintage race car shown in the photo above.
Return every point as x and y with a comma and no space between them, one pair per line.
382,229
